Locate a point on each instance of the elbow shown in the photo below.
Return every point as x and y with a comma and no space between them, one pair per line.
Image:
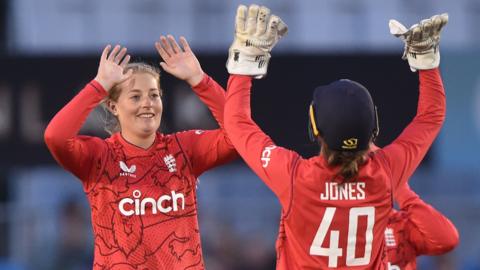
439,119
447,243
438,114
442,115
48,136
434,119
452,239
442,112
51,138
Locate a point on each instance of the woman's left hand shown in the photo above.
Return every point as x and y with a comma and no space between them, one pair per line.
181,63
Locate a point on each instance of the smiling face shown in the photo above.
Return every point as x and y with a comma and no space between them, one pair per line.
138,107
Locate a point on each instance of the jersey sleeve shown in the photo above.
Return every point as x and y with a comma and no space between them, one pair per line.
427,230
406,152
73,152
212,95
273,164
206,149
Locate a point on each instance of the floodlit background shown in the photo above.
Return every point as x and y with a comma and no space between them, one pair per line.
49,49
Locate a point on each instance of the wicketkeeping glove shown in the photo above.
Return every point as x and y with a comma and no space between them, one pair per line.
421,41
256,33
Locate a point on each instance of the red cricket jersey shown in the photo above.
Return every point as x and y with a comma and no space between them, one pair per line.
143,201
417,229
325,225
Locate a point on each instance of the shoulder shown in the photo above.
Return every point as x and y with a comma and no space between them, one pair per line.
192,132
310,168
113,141
317,161
92,140
193,135
183,138
376,161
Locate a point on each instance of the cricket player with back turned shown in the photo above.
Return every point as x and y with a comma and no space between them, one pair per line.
335,206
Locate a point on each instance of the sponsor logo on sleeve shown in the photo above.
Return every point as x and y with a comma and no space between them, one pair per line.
267,152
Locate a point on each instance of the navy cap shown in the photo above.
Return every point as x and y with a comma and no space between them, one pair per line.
345,115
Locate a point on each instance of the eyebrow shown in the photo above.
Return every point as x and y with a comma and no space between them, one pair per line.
134,90
139,91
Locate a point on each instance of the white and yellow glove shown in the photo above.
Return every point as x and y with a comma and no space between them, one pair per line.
421,41
256,33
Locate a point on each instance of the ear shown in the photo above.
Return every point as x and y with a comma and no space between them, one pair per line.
112,106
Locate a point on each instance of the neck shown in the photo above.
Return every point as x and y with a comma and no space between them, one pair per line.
139,141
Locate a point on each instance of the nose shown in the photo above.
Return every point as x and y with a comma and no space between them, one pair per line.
147,102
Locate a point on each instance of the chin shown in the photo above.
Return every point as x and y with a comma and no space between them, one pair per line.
149,130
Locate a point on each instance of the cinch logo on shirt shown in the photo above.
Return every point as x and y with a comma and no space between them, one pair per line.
170,163
389,238
135,206
266,155
126,170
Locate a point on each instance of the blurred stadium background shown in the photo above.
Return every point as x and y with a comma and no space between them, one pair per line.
49,49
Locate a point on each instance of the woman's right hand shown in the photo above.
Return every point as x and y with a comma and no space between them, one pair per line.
111,70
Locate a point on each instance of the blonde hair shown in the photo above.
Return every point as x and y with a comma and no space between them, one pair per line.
111,121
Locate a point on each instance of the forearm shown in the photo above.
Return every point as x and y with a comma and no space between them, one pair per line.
64,127
407,151
220,151
274,165
212,95
206,149
247,137
430,111
432,102
435,233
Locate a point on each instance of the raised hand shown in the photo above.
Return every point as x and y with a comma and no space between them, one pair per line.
111,70
256,33
180,62
421,41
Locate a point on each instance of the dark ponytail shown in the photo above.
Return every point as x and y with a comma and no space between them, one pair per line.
349,163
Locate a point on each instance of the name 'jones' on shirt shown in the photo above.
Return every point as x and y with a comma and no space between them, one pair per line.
347,191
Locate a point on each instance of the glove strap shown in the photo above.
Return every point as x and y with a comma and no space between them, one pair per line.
242,63
424,60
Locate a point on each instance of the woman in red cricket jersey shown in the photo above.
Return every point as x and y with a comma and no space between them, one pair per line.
416,229
140,183
335,206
